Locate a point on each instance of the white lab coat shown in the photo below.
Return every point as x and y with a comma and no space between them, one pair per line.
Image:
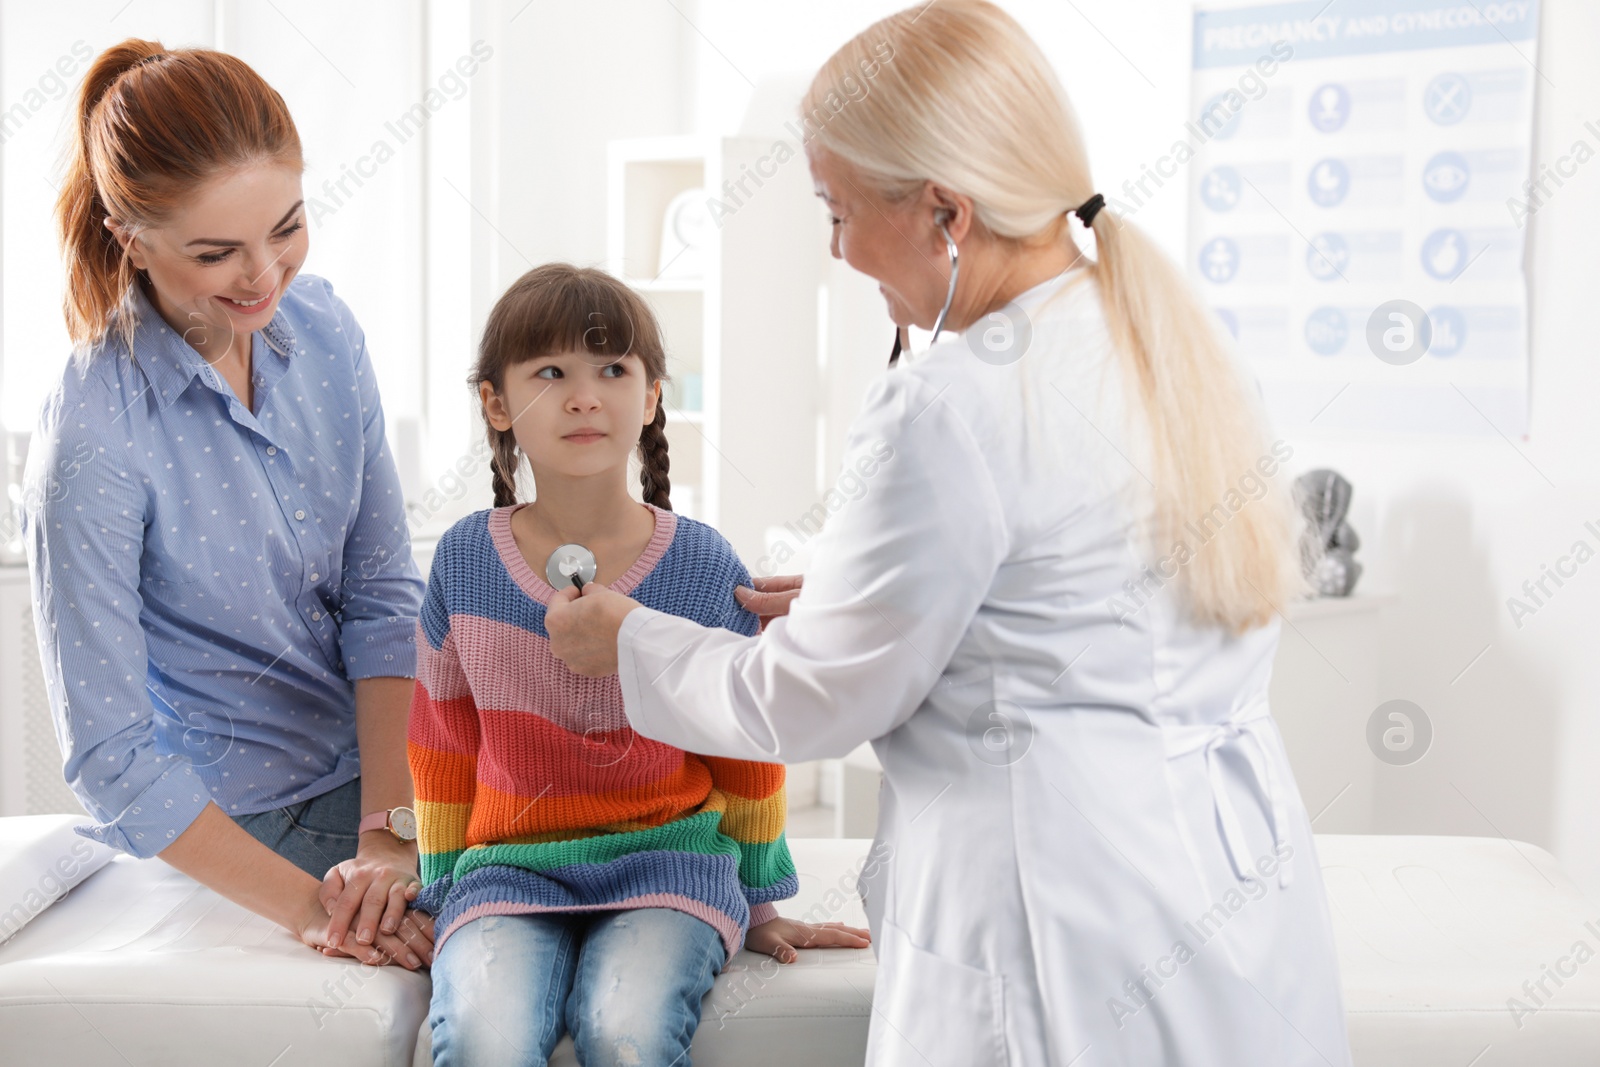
1071,788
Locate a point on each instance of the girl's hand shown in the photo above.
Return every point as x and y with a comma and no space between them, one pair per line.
379,883
583,628
780,937
411,945
771,597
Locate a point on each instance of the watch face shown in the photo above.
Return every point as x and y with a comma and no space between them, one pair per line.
403,821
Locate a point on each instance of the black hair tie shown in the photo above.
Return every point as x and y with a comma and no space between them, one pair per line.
1087,210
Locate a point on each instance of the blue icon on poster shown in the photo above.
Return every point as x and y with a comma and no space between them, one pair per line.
1327,329
1449,331
1217,107
1330,107
1221,188
1446,177
1444,254
1327,257
1328,182
1447,99
1219,260
1230,320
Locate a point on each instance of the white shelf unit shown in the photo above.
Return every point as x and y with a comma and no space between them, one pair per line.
748,326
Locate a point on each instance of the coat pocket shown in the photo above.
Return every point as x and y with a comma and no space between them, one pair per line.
930,1011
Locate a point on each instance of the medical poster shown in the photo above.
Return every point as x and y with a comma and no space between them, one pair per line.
1359,201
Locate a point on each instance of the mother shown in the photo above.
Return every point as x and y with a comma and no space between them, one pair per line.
1052,610
222,577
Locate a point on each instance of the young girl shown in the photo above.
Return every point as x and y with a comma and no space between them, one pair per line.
581,876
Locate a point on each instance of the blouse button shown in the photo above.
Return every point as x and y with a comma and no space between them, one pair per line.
300,515
272,450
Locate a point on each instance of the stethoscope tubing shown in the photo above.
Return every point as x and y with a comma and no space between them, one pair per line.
904,344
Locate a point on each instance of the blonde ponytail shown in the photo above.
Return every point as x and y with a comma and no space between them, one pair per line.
966,99
1207,434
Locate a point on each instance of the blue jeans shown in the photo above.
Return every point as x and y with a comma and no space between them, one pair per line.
314,834
626,984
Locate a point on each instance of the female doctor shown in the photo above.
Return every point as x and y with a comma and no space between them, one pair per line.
1052,611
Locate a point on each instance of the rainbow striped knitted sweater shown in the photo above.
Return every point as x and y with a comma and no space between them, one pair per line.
533,792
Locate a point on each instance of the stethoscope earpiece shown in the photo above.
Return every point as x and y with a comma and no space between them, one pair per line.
949,296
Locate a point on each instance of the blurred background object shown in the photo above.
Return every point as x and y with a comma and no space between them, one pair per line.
1331,541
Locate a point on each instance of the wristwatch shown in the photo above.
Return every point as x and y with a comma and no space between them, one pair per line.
401,822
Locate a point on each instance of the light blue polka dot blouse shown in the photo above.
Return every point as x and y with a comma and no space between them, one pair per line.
209,581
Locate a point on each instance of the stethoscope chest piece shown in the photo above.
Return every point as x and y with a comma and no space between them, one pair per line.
570,564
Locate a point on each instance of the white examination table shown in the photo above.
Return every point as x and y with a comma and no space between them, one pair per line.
139,965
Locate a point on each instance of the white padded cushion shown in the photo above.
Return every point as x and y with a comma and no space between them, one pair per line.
139,965
41,860
1437,934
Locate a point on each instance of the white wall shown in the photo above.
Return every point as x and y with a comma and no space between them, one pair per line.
1452,526
365,237
529,178
1455,526
1132,100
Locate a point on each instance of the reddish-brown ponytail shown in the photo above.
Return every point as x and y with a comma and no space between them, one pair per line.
150,126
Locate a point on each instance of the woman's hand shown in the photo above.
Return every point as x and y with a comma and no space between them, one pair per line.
370,893
780,937
411,945
771,597
583,628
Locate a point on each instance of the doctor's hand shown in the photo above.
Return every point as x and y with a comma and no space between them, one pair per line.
583,628
771,597
780,937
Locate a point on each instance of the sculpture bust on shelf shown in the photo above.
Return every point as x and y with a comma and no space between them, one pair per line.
1330,541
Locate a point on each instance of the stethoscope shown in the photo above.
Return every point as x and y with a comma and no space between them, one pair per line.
570,564
1085,211
902,341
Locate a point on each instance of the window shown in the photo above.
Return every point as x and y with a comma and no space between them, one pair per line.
368,117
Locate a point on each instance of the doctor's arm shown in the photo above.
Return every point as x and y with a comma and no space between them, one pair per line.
897,576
